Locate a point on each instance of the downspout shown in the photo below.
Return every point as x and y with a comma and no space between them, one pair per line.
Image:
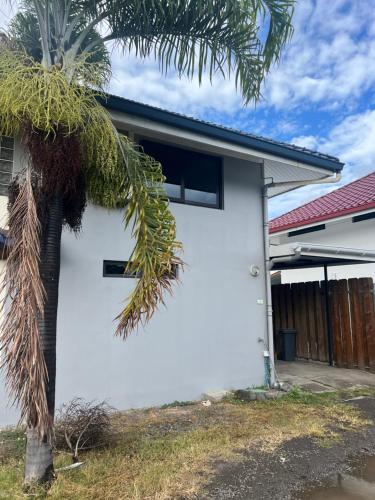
269,373
269,365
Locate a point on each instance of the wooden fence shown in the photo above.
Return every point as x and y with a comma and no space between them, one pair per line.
303,306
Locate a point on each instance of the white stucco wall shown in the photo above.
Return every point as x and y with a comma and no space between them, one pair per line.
343,233
207,337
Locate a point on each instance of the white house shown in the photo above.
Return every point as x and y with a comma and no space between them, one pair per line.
343,218
213,333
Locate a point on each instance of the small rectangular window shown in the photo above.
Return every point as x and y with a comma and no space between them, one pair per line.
191,178
117,269
359,218
6,163
307,230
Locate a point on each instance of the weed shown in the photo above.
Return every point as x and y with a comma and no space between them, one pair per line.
170,452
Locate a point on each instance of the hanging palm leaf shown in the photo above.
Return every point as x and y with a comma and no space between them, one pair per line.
23,359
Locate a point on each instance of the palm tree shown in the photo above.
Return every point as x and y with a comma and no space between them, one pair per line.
54,63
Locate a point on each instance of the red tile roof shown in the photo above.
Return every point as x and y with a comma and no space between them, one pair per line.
354,197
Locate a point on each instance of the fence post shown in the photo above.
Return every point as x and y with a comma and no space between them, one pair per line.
328,317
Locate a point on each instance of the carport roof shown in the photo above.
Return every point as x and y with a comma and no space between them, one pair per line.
303,255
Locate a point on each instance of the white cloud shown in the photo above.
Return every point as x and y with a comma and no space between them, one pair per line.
353,141
306,141
284,203
142,81
331,58
330,62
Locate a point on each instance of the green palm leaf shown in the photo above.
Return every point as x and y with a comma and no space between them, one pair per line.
243,37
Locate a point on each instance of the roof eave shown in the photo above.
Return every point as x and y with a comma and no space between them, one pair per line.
209,130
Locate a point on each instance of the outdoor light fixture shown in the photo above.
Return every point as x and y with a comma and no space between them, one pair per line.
254,271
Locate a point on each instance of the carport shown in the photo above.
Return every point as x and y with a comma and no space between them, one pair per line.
336,318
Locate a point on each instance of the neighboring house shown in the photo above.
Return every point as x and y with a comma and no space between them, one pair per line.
344,217
213,332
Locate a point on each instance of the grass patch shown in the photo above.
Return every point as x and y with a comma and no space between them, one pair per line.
169,452
12,444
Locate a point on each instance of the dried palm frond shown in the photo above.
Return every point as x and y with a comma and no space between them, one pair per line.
22,355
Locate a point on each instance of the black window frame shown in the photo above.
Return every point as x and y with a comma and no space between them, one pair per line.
123,263
127,275
363,217
306,230
3,161
219,205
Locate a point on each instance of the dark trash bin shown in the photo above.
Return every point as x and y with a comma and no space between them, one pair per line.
287,344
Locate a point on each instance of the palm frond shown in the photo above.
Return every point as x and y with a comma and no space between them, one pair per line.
242,37
279,15
22,356
43,99
138,183
63,17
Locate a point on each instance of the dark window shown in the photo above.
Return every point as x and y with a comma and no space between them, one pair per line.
6,163
359,218
307,230
191,178
117,269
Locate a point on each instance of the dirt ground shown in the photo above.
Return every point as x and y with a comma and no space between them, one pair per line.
232,449
297,463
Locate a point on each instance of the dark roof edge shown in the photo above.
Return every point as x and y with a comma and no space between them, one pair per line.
217,132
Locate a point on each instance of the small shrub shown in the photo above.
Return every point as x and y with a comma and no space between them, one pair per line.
302,396
176,403
83,425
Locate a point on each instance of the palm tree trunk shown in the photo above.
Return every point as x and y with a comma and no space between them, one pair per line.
39,457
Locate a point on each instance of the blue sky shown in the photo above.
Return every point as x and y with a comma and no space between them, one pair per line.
321,95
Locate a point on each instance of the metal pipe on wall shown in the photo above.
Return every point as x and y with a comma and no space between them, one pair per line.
268,341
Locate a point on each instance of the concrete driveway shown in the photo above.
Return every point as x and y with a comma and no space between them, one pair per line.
319,377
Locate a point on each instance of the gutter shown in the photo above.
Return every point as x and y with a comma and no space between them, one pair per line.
296,184
268,341
327,249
